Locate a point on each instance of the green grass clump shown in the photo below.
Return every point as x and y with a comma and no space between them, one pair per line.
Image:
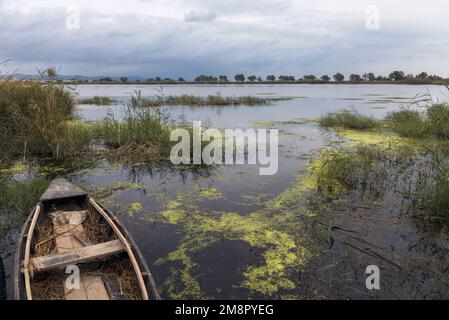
348,120
17,198
434,122
438,120
139,132
97,100
359,168
32,117
407,123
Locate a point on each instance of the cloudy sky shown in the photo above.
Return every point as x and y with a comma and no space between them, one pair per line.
173,38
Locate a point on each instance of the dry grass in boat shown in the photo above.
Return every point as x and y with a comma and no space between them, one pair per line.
97,230
45,235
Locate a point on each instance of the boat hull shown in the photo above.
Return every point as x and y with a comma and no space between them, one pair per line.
20,283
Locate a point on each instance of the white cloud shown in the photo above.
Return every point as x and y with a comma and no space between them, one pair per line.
195,16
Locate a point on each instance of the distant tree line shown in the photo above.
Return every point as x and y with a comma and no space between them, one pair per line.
396,75
338,77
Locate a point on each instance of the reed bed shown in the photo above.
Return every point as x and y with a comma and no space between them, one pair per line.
419,167
211,100
97,100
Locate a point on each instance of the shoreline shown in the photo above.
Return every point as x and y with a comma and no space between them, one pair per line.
436,83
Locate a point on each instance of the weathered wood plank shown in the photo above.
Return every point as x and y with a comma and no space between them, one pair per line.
60,188
66,241
83,239
91,288
81,255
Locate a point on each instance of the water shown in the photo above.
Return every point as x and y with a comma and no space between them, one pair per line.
310,101
226,231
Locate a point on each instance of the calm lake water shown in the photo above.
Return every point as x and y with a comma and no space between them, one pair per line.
224,232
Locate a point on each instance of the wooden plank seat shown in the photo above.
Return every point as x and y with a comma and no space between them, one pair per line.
79,255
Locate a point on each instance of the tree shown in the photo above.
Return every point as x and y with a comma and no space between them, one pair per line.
239,77
124,79
271,77
309,77
325,78
203,78
422,75
252,78
339,77
181,80
371,76
396,75
223,78
434,77
286,78
259,79
355,77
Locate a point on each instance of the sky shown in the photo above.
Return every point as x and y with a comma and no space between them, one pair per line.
185,38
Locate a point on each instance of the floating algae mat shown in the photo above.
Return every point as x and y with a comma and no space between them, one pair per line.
276,232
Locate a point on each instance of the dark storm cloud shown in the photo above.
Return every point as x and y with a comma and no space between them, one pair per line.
187,38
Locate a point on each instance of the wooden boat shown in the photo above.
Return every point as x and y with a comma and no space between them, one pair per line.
72,248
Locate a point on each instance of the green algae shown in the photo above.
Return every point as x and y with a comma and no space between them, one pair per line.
19,167
261,123
275,229
133,208
379,138
210,193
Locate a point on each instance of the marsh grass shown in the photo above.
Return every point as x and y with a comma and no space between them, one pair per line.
349,120
418,169
144,132
97,100
211,100
17,198
433,122
32,118
407,123
431,196
362,169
